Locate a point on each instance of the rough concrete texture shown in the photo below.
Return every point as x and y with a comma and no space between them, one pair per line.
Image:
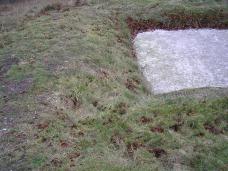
183,59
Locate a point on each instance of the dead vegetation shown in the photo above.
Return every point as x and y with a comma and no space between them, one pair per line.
180,18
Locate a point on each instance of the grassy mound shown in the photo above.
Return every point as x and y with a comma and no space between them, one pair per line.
72,96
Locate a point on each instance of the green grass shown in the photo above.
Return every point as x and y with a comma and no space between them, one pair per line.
90,97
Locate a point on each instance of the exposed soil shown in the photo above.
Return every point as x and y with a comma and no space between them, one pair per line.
212,129
43,125
131,84
13,139
157,129
180,19
12,87
158,152
64,144
19,87
176,127
145,120
56,162
200,134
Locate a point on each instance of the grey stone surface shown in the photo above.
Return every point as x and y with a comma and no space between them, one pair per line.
183,59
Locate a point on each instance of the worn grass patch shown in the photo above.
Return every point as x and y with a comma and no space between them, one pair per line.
86,107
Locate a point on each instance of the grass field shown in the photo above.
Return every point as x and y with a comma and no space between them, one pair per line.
72,97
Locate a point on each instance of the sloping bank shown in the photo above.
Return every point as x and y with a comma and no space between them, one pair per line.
86,107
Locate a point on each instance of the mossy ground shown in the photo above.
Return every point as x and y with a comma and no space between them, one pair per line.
85,106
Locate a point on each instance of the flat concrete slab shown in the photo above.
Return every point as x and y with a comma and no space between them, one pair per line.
183,59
